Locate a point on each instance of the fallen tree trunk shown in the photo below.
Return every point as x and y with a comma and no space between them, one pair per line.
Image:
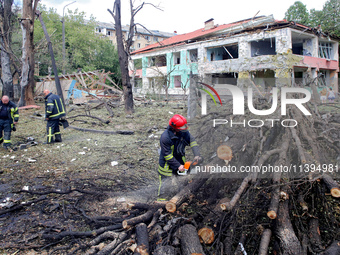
334,249
187,191
228,206
142,240
190,243
108,132
168,250
314,236
289,243
274,203
265,240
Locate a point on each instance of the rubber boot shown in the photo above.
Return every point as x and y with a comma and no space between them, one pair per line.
58,138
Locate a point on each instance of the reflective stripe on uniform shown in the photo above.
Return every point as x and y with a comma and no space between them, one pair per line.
165,170
49,135
194,143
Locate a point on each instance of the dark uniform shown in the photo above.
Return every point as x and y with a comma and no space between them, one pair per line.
172,155
8,114
54,110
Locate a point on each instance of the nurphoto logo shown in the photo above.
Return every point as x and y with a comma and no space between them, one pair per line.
238,99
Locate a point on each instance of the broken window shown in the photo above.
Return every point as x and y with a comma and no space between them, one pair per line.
177,81
157,61
263,80
325,50
177,58
225,78
223,52
298,78
193,54
263,47
297,48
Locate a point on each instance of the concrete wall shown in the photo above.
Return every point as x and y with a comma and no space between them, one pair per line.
282,62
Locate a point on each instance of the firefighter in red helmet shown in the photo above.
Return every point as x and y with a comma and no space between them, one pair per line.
172,155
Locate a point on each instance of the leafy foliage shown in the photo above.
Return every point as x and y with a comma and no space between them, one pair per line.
328,17
84,49
297,12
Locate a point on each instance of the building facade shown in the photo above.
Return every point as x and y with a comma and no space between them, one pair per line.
142,38
261,52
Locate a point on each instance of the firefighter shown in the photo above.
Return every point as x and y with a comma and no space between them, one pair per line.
172,155
9,116
54,111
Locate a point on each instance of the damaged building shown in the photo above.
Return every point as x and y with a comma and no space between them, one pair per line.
261,52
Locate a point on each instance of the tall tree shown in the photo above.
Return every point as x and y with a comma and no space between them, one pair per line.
124,52
84,48
27,82
315,18
6,24
330,17
297,12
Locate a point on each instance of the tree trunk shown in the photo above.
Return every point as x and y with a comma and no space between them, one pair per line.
142,239
123,59
6,73
190,242
334,249
289,243
6,35
27,72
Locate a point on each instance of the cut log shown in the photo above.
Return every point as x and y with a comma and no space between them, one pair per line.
185,192
142,240
139,219
230,205
332,185
190,243
274,203
289,242
265,240
206,235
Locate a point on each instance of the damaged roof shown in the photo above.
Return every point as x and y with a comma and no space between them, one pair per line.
226,30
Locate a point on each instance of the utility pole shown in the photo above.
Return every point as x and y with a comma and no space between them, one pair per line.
63,22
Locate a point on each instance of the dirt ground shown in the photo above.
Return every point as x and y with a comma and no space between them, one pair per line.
123,165
76,185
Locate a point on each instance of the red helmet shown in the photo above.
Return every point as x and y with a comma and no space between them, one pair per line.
178,122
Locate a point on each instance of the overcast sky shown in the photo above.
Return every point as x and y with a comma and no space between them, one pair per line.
183,16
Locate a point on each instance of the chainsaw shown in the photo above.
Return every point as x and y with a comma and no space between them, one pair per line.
188,165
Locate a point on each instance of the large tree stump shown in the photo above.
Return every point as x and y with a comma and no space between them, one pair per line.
190,243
